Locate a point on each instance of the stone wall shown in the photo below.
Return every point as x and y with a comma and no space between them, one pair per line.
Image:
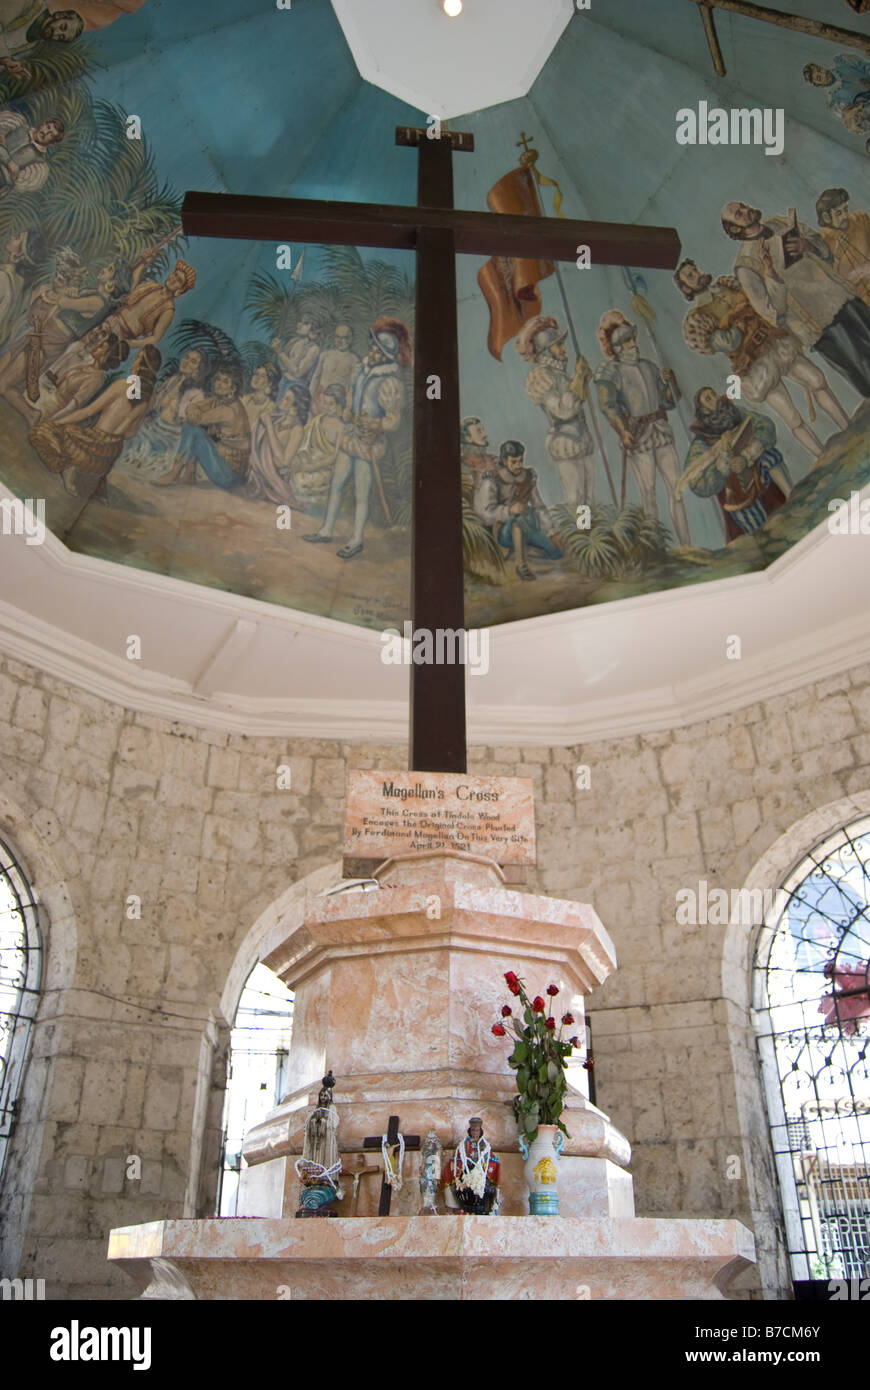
129,1051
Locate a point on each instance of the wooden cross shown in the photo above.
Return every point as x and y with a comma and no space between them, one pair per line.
437,232
374,1141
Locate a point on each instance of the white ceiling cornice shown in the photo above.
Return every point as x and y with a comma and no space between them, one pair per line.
227,663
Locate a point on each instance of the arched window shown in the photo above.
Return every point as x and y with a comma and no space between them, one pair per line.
256,1068
812,997
20,976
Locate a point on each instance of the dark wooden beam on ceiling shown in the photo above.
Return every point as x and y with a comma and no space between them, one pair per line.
321,222
712,39
816,28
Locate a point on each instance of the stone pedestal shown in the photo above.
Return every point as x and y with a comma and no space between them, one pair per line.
396,991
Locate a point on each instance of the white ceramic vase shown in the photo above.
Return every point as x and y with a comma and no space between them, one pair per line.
541,1169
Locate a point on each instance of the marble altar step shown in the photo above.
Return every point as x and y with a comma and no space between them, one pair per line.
428,1257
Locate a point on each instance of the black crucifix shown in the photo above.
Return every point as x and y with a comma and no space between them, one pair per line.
436,231
374,1141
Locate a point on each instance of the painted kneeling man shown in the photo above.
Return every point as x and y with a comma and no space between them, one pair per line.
471,1176
508,501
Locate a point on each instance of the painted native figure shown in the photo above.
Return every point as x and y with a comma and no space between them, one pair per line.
299,358
734,458
217,435
277,434
376,410
23,252
560,396
471,1177
722,319
635,395
336,366
48,331
159,439
83,448
786,271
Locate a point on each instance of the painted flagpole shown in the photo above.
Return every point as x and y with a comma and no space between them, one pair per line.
528,159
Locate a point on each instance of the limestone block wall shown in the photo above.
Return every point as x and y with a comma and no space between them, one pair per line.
129,1051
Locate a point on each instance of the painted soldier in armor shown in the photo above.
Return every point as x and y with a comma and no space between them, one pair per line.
375,411
550,386
635,396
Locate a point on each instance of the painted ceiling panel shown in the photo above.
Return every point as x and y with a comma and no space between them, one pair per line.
269,452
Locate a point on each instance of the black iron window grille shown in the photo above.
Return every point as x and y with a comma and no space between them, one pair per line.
812,1009
20,978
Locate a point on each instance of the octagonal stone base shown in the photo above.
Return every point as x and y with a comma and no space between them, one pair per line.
427,1257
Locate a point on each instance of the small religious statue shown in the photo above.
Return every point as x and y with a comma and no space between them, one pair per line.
471,1176
319,1167
430,1171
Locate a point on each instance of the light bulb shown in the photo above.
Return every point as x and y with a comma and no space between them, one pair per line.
453,8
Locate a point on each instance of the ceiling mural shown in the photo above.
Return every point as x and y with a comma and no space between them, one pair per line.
239,415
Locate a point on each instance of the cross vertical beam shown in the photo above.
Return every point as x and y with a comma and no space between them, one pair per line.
437,731
374,1141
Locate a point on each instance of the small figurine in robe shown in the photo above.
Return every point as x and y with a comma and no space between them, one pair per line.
320,1165
471,1176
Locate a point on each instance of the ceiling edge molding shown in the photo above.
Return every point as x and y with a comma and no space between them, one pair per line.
781,670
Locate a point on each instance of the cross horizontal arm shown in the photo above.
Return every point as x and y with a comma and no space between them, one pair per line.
412,1141
251,218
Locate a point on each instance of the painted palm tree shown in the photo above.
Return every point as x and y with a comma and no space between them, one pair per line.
103,197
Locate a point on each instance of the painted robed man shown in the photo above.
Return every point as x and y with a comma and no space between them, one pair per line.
376,411
636,395
788,275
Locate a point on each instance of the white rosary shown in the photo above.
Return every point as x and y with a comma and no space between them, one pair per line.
393,1175
473,1176
315,1172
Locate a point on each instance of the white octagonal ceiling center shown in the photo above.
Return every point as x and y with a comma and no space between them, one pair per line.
491,52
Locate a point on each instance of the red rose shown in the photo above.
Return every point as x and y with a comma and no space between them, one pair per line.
498,1030
514,989
552,991
567,1018
551,1024
588,1064
510,977
506,1011
575,1042
538,1005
